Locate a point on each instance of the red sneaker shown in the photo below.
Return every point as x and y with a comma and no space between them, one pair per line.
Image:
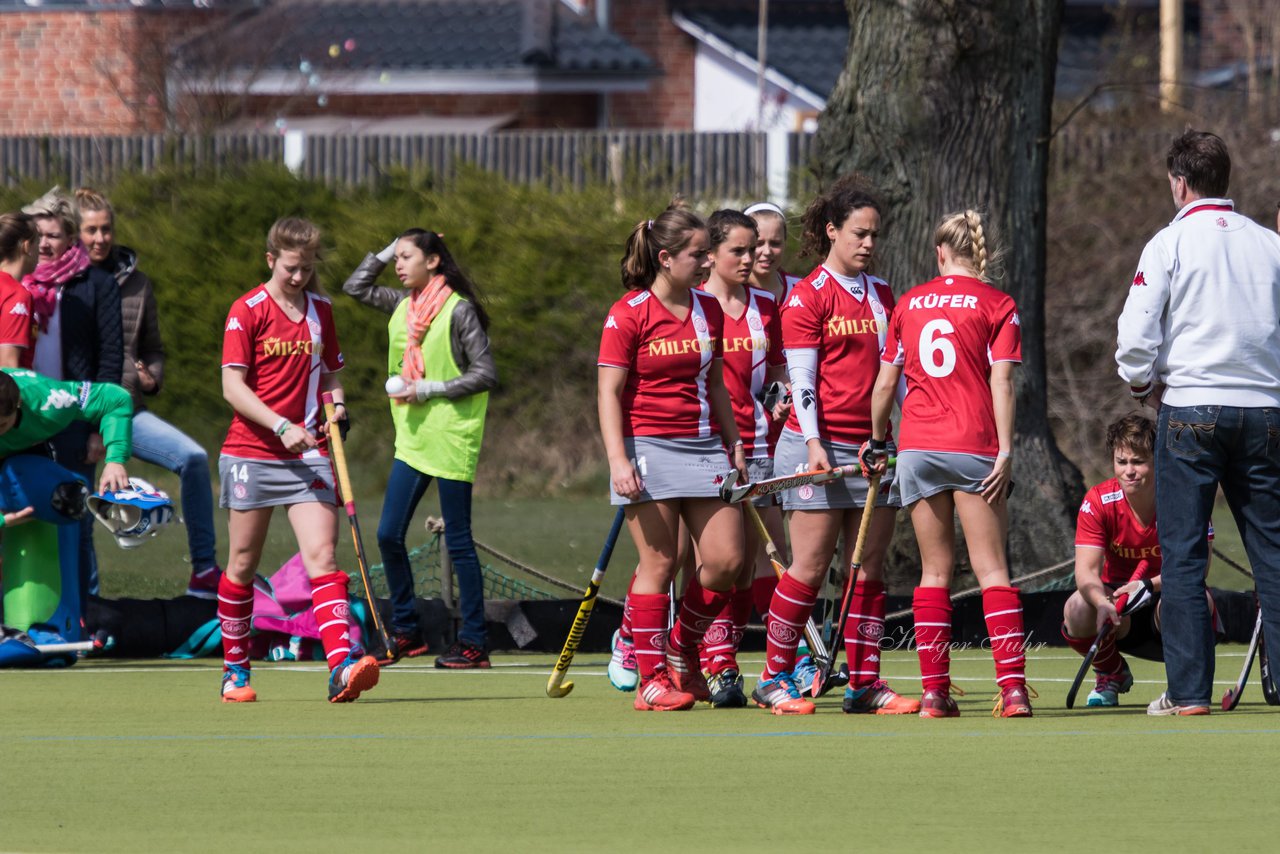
660,695
938,703
1013,702
686,674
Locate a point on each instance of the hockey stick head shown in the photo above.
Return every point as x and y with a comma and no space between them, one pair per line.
557,689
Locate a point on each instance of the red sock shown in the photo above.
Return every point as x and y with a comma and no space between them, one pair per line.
931,607
329,604
740,609
698,610
235,613
1107,659
762,593
625,628
1002,609
649,630
790,608
863,631
719,648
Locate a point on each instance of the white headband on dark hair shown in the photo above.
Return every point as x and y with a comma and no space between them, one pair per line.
760,207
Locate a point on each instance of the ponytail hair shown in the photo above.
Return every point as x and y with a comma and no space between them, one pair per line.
848,194
16,228
89,199
671,230
432,243
964,233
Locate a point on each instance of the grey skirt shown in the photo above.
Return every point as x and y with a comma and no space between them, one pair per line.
249,484
850,491
925,473
676,468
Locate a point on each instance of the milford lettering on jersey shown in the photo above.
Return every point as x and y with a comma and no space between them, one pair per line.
1129,553
737,345
840,325
667,347
280,347
942,301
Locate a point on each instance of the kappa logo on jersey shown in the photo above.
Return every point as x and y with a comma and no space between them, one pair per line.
795,302
234,324
58,399
1112,497
20,309
1014,321
1139,281
610,323
1086,508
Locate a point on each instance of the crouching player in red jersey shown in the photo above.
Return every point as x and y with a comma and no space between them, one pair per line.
752,359
957,339
1118,554
833,325
666,420
279,353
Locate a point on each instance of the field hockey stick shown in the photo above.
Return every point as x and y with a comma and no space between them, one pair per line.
1143,570
868,510
101,642
1231,699
734,493
349,501
556,686
811,633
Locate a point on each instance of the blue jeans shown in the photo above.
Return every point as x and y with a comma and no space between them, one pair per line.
157,441
405,488
1198,448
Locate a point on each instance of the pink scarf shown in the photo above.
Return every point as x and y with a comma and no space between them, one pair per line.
46,281
424,304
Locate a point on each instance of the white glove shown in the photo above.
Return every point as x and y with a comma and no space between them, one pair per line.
424,389
386,255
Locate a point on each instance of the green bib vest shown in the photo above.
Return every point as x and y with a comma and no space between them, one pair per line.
439,437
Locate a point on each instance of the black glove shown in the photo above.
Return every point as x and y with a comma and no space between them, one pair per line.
871,454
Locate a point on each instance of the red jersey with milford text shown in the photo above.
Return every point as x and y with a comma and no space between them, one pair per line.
846,325
284,362
946,334
16,328
752,344
667,361
1107,522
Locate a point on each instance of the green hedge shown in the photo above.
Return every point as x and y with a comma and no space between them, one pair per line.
545,259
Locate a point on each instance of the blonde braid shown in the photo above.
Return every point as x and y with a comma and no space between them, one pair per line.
977,242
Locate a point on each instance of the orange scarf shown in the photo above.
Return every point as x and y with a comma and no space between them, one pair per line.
424,304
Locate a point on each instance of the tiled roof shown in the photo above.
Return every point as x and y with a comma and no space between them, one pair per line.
807,38
421,35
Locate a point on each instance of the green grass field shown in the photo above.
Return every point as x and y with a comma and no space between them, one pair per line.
130,756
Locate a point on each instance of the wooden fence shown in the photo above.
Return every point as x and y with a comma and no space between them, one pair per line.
702,165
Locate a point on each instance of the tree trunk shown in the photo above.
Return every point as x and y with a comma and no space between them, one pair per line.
946,104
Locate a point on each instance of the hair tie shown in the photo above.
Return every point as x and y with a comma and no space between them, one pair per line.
765,206
649,226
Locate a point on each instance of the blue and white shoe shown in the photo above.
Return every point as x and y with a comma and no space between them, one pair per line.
806,671
624,674
1107,687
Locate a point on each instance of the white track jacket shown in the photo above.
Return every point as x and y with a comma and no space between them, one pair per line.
1203,313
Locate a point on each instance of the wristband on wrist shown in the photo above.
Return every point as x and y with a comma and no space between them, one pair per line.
1140,392
1002,454
878,445
281,426
738,444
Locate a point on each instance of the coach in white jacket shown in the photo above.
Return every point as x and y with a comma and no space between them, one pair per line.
1199,338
